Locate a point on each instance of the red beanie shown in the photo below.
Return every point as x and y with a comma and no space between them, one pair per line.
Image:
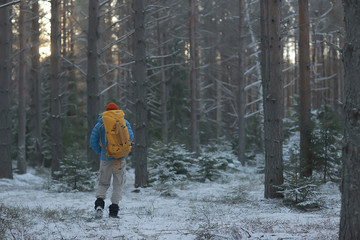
112,106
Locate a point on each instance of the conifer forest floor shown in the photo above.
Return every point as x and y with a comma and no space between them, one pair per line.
230,208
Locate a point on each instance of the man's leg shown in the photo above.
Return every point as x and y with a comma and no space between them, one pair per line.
119,179
106,170
104,184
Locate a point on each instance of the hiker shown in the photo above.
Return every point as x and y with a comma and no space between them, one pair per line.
101,142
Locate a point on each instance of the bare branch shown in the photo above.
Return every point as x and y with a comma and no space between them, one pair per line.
115,42
110,10
117,22
107,89
253,113
333,46
73,64
9,3
326,13
253,102
103,3
252,85
325,78
107,72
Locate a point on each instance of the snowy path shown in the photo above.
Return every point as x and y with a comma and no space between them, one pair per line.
234,209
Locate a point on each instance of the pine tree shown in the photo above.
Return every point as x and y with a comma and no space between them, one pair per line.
305,93
92,79
5,93
325,143
195,141
271,51
350,185
55,108
140,92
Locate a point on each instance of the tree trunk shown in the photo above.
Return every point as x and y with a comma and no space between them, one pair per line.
272,95
64,28
257,92
106,61
121,75
21,157
336,70
195,141
341,75
305,93
55,119
36,126
316,97
5,93
92,80
109,60
161,52
64,80
350,185
296,69
140,91
129,44
219,101
241,101
72,80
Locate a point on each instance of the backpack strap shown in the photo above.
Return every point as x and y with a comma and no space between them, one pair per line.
102,145
99,129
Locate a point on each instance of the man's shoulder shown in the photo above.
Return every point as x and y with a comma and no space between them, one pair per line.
97,125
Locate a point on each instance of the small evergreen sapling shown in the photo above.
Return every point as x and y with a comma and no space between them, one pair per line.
325,143
173,162
74,174
297,191
168,163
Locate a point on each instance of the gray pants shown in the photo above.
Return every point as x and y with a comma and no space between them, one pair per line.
108,169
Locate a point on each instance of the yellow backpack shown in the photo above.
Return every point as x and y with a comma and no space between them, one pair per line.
117,139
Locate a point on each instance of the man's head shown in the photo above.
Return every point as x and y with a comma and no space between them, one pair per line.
112,106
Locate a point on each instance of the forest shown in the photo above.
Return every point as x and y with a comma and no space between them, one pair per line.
213,89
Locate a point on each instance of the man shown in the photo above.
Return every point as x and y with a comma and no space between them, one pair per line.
109,167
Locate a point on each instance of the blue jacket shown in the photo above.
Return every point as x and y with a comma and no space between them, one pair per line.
96,134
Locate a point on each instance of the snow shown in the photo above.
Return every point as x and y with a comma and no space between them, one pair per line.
230,208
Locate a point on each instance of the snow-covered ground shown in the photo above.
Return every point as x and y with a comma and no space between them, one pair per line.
233,208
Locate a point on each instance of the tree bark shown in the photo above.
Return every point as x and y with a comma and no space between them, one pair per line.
140,91
36,126
64,80
21,157
219,102
55,108
195,141
271,52
241,101
122,91
336,70
350,185
5,93
92,80
72,80
305,91
161,52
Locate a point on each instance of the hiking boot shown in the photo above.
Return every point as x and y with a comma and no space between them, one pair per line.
99,208
113,210
99,212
